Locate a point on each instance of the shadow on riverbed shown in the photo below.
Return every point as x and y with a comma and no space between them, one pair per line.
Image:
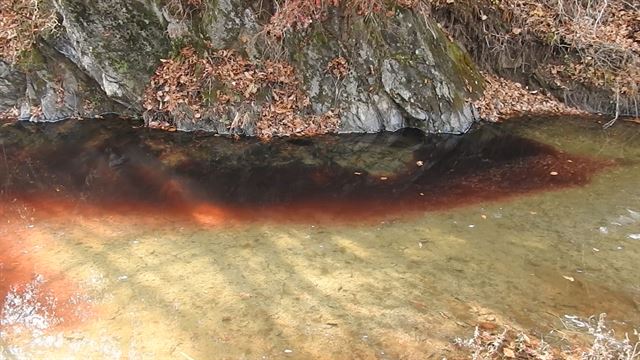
109,165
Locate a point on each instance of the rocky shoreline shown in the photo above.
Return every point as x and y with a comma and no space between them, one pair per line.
226,67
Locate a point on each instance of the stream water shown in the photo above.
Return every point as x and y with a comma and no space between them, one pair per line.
124,242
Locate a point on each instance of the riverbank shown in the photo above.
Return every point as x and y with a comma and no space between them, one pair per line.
584,54
297,70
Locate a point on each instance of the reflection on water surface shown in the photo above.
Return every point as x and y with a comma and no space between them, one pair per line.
120,242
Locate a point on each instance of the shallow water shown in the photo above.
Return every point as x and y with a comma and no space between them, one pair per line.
118,242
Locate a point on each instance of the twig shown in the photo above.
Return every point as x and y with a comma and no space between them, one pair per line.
186,356
613,121
604,7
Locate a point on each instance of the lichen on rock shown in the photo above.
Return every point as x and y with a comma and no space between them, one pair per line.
117,42
401,73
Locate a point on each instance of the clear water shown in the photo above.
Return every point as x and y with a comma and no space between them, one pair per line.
85,278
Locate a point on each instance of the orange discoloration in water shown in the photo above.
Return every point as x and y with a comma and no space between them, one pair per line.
22,270
369,200
208,214
122,175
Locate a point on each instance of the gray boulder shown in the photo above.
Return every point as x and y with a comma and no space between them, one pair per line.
403,72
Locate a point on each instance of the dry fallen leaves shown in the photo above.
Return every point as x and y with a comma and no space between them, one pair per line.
9,115
504,98
338,67
21,21
208,84
300,14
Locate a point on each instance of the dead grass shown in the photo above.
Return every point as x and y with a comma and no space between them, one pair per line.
595,43
183,9
604,34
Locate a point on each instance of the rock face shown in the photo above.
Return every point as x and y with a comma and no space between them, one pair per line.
57,89
12,86
117,43
401,70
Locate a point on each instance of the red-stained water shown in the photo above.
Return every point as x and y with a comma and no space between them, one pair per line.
81,173
216,181
34,297
500,169
119,176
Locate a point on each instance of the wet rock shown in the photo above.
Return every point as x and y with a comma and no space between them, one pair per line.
238,119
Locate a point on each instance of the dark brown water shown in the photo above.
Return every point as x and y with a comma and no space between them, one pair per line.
110,166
